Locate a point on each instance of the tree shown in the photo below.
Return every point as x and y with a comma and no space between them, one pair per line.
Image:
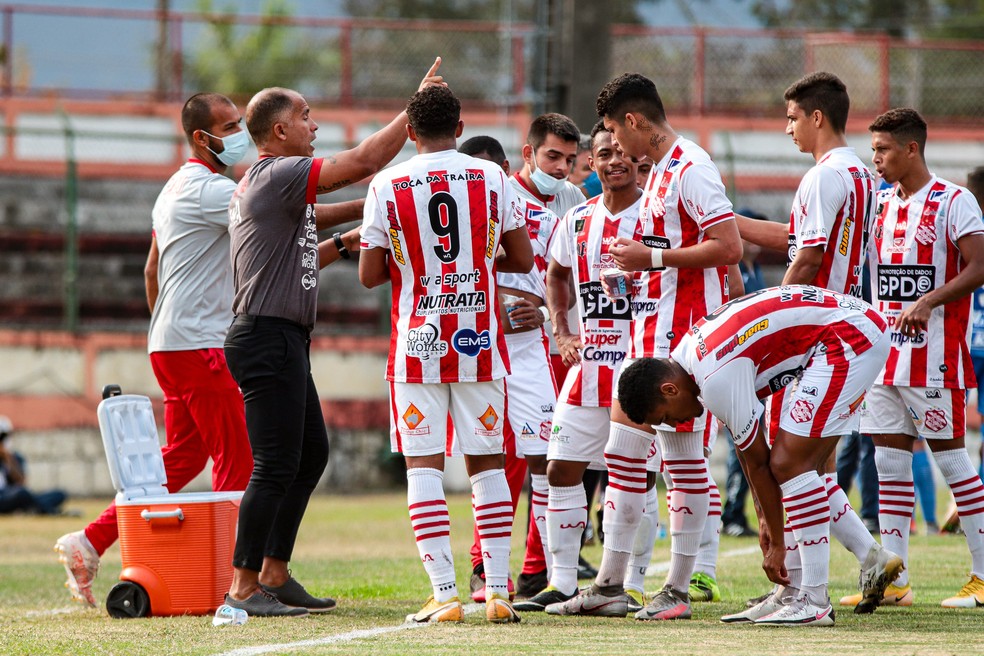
239,61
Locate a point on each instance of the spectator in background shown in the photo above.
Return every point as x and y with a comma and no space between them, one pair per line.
582,175
14,495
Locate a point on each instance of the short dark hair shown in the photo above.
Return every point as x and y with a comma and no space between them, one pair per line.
904,124
630,92
596,128
265,109
975,183
638,387
484,144
434,112
555,124
197,112
823,91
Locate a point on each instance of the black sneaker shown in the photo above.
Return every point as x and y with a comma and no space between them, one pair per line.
528,585
293,593
585,570
264,604
539,602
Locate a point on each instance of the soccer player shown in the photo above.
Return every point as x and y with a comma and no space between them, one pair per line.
740,354
439,227
927,259
594,354
826,239
685,241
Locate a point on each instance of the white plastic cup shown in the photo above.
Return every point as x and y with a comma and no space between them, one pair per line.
510,302
226,614
617,282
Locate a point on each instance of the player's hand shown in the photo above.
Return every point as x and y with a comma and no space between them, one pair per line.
914,319
605,287
631,255
432,78
524,313
774,565
569,346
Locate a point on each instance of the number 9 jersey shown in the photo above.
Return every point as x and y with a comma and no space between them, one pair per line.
441,216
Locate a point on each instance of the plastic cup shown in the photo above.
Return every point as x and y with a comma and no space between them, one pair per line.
226,614
617,282
510,302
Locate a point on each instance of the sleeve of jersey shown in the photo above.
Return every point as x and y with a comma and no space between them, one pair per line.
560,247
964,216
822,195
373,233
513,216
704,193
214,201
729,395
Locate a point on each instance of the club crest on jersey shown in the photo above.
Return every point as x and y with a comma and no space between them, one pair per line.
926,234
467,342
425,341
490,423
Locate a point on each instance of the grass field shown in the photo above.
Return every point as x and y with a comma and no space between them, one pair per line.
359,549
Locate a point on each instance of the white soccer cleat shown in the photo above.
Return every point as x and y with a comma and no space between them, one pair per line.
81,564
801,612
779,597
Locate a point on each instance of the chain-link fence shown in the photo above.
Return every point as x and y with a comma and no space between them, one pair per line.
107,53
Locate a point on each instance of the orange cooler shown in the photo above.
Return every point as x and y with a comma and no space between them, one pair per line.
176,549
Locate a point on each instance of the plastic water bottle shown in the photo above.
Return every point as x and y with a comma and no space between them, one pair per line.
226,614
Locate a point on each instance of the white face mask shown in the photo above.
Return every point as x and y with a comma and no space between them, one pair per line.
546,184
234,147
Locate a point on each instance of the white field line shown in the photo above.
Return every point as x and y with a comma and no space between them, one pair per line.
655,568
67,610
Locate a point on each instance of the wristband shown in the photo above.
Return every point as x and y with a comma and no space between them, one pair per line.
340,245
545,313
657,258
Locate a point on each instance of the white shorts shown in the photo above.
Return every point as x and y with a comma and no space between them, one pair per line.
580,434
933,412
419,417
827,396
530,392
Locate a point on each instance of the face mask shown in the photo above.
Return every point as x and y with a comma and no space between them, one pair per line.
234,147
546,184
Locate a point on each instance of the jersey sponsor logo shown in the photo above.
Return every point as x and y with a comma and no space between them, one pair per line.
646,308
655,241
802,411
394,232
598,305
738,340
467,342
845,240
425,341
904,282
309,281
791,249
898,339
783,379
935,419
453,279
451,303
493,219
603,356
490,423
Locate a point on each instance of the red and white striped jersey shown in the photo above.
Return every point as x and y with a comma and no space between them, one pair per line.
441,216
684,196
914,251
758,344
833,209
542,226
582,244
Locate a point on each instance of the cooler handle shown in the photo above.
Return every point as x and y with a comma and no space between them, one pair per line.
162,514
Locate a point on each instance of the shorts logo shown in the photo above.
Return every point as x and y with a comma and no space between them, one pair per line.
467,342
934,394
856,404
802,411
810,391
935,420
412,417
545,431
527,433
490,421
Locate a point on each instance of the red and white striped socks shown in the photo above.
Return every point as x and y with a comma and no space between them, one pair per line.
431,528
808,515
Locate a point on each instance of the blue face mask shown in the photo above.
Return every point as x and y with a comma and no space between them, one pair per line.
546,184
234,147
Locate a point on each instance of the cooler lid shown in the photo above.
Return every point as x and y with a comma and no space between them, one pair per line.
133,448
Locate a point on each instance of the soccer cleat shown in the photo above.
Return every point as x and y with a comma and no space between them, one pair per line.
264,604
770,604
893,596
880,568
293,594
498,609
528,585
800,612
970,596
755,601
539,602
439,611
667,604
592,603
81,564
703,587
637,600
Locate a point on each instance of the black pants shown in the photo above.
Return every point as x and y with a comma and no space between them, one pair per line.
270,360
